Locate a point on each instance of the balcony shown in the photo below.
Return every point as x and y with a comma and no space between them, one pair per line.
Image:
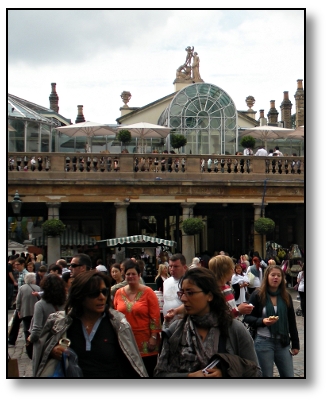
146,166
153,178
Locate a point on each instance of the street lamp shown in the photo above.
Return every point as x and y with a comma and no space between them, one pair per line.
16,206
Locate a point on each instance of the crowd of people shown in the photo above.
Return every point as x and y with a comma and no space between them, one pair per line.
116,326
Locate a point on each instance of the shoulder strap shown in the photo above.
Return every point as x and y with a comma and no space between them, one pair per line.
38,298
221,345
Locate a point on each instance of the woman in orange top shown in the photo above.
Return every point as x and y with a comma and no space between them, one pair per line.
140,305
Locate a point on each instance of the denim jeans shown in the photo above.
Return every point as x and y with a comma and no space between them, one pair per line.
270,351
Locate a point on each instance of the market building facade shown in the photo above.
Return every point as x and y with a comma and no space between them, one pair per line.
105,194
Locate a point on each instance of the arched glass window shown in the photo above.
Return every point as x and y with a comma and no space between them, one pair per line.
207,116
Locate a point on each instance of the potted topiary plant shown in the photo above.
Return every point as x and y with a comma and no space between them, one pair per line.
53,227
124,136
264,225
177,141
192,226
247,142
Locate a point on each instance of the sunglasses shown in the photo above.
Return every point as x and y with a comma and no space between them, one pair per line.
74,265
187,293
96,293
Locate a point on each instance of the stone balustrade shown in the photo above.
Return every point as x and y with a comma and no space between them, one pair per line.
146,164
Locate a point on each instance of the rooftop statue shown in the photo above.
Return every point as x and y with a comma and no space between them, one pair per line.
195,68
189,55
185,71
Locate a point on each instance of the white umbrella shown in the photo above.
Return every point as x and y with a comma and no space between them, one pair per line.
146,130
298,133
265,133
87,129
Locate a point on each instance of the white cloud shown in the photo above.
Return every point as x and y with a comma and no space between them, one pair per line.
94,55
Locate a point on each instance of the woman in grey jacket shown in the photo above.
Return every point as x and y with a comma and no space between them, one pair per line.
25,301
208,331
100,336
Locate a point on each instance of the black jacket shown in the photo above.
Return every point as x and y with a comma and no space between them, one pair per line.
255,320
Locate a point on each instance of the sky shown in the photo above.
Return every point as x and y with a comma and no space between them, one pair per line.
94,55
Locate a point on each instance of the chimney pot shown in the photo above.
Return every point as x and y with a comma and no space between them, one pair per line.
80,117
54,99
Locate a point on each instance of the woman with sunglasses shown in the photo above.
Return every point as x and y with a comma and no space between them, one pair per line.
140,305
100,336
206,332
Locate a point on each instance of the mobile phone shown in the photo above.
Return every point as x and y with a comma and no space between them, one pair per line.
211,365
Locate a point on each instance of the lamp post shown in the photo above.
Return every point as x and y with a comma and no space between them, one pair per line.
17,206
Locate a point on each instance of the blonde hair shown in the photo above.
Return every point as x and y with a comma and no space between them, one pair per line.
271,262
160,269
39,258
221,266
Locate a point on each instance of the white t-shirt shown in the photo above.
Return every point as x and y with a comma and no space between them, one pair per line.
170,297
301,286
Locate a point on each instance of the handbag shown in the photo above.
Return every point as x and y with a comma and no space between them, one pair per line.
13,371
66,368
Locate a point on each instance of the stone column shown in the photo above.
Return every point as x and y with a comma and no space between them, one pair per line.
53,242
188,247
53,210
259,240
121,226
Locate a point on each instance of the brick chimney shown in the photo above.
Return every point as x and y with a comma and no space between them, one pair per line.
54,99
286,107
262,119
272,114
80,117
299,104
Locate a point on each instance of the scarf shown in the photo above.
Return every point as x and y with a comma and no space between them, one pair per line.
186,352
280,328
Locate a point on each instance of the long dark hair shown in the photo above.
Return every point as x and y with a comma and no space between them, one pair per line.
265,284
83,284
54,289
206,280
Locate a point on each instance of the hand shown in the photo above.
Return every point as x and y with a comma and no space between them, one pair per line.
269,322
151,344
245,308
294,351
170,315
57,352
28,339
35,293
212,373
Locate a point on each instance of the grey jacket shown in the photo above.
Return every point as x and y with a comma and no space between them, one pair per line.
58,323
238,343
42,310
25,301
